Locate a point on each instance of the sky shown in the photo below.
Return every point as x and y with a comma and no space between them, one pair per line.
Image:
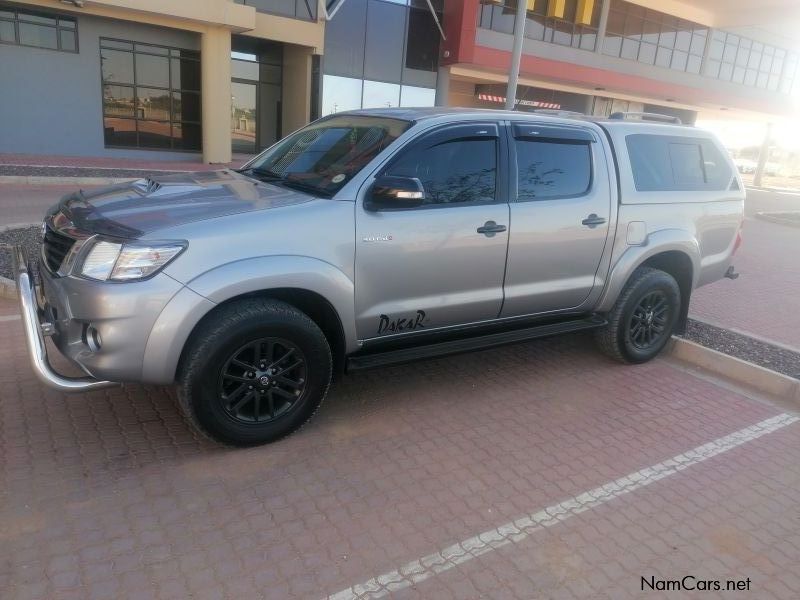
736,134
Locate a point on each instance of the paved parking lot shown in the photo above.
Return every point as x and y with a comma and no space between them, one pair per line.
596,475
764,300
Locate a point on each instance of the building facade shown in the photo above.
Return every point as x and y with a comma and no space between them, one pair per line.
193,79
602,56
168,79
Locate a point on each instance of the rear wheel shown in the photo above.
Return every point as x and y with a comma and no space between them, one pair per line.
256,371
643,318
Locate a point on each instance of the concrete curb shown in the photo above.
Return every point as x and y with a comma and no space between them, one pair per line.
777,218
8,288
42,180
736,369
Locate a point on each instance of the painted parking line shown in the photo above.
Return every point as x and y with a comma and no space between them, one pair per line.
514,532
10,318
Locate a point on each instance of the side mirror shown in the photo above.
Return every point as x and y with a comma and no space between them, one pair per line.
394,193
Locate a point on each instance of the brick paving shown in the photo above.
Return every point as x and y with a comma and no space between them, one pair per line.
110,495
764,300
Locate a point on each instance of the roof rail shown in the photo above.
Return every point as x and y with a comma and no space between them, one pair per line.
559,113
645,116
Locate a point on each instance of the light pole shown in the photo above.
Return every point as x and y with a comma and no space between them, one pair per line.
516,53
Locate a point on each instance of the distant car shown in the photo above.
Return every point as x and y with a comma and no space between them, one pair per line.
745,165
379,237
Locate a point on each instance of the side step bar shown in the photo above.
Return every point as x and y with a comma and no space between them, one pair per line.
406,355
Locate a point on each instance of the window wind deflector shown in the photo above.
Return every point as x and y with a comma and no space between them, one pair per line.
569,135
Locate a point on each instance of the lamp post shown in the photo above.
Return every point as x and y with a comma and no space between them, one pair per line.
516,53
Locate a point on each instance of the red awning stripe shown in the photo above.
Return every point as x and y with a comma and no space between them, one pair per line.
534,103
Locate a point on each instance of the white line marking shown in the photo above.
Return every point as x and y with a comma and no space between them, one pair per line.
514,532
10,318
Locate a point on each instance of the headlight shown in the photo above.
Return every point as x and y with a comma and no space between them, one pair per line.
111,261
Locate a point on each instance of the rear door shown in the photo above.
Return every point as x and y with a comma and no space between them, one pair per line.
560,214
440,264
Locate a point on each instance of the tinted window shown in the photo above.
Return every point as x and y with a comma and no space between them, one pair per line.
549,169
687,164
422,45
39,30
453,171
666,163
154,104
324,156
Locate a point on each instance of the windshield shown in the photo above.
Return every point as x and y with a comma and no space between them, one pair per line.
324,156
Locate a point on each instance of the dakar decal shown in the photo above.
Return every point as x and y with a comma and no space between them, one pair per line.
387,325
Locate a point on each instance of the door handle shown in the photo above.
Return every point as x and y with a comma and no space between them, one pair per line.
490,228
593,221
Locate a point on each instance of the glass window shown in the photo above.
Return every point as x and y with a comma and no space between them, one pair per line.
647,53
185,74
68,41
549,169
38,35
118,101
422,45
38,18
242,69
187,136
324,156
148,98
452,172
417,96
380,95
668,163
152,70
717,170
663,57
687,169
7,32
117,66
340,94
38,30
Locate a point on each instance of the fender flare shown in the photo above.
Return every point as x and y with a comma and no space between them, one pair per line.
207,291
658,242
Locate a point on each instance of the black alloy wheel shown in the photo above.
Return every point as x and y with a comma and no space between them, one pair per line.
648,323
262,381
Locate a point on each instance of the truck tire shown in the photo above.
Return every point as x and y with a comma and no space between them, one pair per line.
255,371
643,317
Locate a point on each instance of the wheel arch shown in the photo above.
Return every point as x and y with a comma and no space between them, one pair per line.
313,286
673,251
677,264
315,305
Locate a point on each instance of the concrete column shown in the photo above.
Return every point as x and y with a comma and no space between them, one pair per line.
296,87
215,59
443,87
706,51
602,26
763,157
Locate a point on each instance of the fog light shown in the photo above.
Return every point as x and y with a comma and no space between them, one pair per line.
93,339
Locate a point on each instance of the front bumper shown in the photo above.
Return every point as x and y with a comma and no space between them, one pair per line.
35,331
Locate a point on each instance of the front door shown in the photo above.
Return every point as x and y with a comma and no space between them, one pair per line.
560,217
243,117
429,267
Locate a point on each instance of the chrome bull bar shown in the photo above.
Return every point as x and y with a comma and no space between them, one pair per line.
35,331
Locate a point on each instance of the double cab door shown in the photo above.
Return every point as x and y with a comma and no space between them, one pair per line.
514,223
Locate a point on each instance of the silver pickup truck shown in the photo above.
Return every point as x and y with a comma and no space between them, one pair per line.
379,237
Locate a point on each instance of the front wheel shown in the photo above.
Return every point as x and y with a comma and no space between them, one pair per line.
255,371
643,318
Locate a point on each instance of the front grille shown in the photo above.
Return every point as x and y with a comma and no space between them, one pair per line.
55,248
